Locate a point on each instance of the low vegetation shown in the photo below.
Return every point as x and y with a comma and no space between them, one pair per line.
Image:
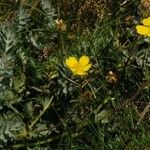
75,75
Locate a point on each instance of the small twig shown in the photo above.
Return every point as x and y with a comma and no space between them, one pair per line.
67,77
146,109
93,92
39,90
139,90
71,81
40,115
87,82
42,141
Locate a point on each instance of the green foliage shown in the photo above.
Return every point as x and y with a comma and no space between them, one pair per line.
10,125
43,105
49,13
23,19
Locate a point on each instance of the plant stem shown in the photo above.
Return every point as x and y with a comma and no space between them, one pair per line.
40,115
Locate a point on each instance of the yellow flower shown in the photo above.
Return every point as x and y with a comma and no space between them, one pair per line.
145,28
79,67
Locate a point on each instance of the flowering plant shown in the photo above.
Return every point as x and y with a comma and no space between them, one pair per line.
79,67
145,28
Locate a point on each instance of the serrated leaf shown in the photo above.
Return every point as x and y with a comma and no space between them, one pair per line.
9,127
7,40
6,96
49,12
19,83
23,19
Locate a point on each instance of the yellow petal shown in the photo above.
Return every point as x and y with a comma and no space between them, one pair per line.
71,62
143,30
146,22
81,73
84,60
87,67
74,69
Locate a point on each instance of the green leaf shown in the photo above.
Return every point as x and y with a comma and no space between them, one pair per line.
19,83
7,40
49,12
23,19
102,116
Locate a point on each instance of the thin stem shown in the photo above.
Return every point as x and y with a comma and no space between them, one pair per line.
40,115
139,90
